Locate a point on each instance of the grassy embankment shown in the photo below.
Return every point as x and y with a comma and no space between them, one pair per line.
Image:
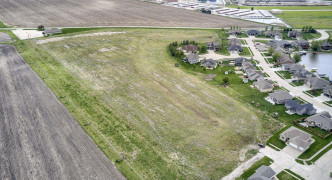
165,121
316,19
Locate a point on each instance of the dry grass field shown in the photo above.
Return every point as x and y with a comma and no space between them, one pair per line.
165,122
39,138
75,13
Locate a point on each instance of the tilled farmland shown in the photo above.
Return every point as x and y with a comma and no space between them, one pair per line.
39,138
76,13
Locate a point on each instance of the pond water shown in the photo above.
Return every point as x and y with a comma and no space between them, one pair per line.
323,62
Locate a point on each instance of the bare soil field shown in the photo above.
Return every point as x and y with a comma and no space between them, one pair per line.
39,138
76,13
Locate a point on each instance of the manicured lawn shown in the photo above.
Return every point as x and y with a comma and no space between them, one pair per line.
298,83
245,52
311,35
285,176
276,141
293,173
264,161
285,74
242,35
262,41
316,19
320,155
315,93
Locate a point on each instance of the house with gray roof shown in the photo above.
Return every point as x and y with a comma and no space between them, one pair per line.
253,33
48,32
190,48
297,138
301,44
277,43
213,46
234,32
300,109
294,34
322,120
280,97
264,85
234,45
284,59
316,83
246,65
263,173
302,75
209,63
273,34
326,46
292,68
240,60
191,58
328,91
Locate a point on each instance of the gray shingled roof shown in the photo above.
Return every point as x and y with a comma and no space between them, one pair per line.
190,47
328,90
281,95
254,32
263,173
318,82
298,137
323,118
263,84
209,63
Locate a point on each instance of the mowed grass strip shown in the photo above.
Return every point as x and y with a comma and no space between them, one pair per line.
247,173
316,19
166,122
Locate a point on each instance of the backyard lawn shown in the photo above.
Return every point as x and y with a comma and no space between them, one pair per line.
285,74
245,52
283,175
315,93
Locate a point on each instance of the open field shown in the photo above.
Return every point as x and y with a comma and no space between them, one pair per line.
77,13
316,19
166,121
284,7
39,138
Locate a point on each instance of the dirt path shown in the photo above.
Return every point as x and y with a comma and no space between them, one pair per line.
39,138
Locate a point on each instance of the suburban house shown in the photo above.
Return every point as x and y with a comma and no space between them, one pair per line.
213,46
322,120
191,58
294,34
281,44
209,63
48,32
240,60
316,83
253,33
264,85
190,48
246,65
284,59
326,46
234,45
301,44
303,74
263,173
234,32
300,109
297,138
292,68
328,91
273,34
280,97
251,72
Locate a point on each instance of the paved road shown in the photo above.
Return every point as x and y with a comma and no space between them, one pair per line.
4,37
39,138
284,83
324,36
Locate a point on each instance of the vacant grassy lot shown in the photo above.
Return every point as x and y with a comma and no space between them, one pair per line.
285,7
165,121
316,19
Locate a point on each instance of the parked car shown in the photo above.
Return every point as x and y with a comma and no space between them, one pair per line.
261,145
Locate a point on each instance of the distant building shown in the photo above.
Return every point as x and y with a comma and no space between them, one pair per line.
263,173
328,91
284,59
294,34
238,61
273,34
213,46
292,68
191,58
301,44
234,45
253,33
326,46
209,63
280,97
234,32
297,138
322,120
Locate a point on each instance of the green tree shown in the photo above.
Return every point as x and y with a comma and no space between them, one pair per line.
270,50
266,28
272,28
297,58
315,45
303,29
202,49
252,8
225,80
41,27
276,56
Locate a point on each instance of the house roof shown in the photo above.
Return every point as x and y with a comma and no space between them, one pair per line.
281,95
292,67
301,42
190,47
294,33
209,63
212,44
240,60
285,59
234,31
192,57
318,82
234,41
294,105
326,44
328,90
272,33
297,136
276,43
253,32
263,84
263,173
323,118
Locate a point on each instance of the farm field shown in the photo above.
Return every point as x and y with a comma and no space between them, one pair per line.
284,7
316,19
165,121
78,13
39,138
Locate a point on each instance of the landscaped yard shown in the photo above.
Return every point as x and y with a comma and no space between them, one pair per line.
316,19
315,93
250,171
311,35
245,52
285,74
298,83
286,176
274,140
156,115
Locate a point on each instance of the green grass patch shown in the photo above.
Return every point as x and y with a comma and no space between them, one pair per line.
311,35
285,74
293,173
2,25
262,41
264,161
316,146
245,52
242,35
329,103
297,83
276,141
286,176
320,155
314,93
11,34
316,19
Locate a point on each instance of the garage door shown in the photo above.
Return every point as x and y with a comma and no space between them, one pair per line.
293,145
